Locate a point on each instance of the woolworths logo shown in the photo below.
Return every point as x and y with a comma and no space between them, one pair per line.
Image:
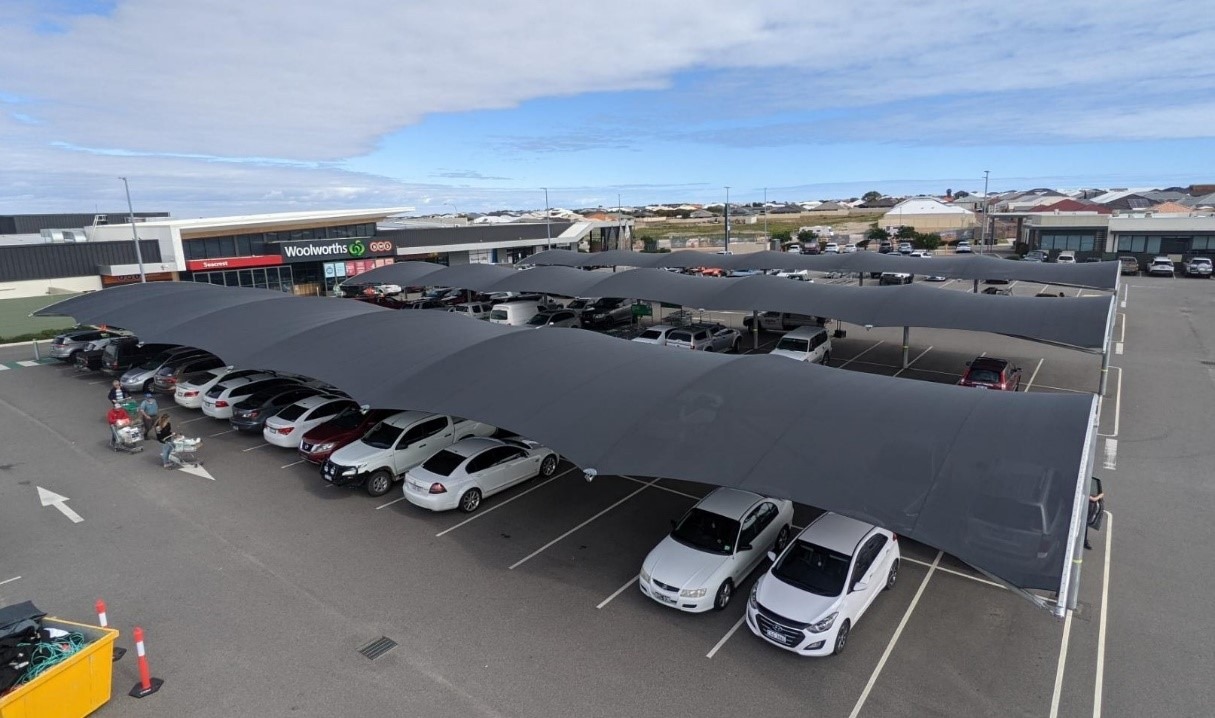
355,248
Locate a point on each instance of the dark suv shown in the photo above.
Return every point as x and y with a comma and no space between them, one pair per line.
125,352
604,312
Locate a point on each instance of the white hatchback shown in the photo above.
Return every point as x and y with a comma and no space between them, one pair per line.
217,403
474,468
190,394
656,334
819,587
290,424
713,548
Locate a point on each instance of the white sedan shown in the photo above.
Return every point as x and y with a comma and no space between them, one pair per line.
815,592
471,469
190,394
290,424
713,548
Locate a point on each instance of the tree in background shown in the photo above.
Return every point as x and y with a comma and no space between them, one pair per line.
783,236
905,232
648,243
876,233
961,193
931,240
807,236
871,196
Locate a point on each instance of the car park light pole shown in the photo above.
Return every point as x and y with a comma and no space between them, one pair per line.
134,235
548,232
986,208
727,247
906,344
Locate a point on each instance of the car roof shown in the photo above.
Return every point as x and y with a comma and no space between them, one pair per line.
472,445
731,503
316,400
835,532
806,332
402,419
989,363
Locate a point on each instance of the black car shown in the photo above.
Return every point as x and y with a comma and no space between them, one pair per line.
250,413
604,312
124,353
885,247
90,357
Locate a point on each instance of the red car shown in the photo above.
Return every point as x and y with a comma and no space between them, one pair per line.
992,373
350,425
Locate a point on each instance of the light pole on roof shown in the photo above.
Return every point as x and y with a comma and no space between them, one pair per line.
548,231
727,247
134,235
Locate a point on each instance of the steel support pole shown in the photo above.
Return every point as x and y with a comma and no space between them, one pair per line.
134,235
754,330
1109,339
906,345
976,286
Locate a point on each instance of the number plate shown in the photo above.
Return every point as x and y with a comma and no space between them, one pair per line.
774,635
664,598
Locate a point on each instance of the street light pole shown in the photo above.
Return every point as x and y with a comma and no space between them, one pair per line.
727,247
767,237
986,209
620,224
134,235
548,231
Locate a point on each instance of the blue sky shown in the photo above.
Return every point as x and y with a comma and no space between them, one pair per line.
228,106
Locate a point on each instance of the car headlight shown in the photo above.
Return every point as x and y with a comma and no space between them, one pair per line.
753,602
323,447
693,592
351,471
645,576
825,624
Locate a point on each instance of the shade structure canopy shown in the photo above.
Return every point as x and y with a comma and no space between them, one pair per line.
990,477
1097,275
1077,322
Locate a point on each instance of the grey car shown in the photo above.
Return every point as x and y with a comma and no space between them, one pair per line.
555,318
66,345
140,377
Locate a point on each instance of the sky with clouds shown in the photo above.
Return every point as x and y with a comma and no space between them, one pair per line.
228,106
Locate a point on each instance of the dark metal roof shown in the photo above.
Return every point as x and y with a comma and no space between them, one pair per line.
470,234
949,476
35,223
52,260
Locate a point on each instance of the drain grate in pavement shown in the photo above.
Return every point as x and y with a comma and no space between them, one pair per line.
1208,363
378,647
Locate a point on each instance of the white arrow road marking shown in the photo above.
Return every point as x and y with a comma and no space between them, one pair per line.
197,471
50,498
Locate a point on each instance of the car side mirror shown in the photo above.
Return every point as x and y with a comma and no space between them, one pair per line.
772,556
745,547
860,586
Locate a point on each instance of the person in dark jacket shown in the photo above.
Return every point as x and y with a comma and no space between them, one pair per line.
117,395
164,435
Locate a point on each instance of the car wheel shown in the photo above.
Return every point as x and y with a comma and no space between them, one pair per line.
826,358
734,346
724,593
147,386
893,576
379,483
841,638
709,349
548,466
470,500
782,540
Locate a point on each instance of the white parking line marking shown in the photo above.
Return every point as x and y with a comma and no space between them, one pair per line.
726,637
296,463
858,356
954,572
860,703
1099,683
1079,292
479,514
3,368
200,418
390,503
28,362
1117,406
913,361
1067,634
664,488
1122,332
253,448
1063,388
10,580
229,431
1010,287
617,592
1035,374
1126,293
761,346
1111,454
1117,347
92,383
540,550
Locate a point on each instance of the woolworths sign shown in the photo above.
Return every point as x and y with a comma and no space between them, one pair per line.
311,250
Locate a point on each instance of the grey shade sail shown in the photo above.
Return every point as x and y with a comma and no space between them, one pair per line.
1071,322
989,477
1097,275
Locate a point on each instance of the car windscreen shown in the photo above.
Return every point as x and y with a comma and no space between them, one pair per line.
443,463
293,412
793,344
539,320
707,531
154,362
382,436
348,419
651,334
1206,262
813,568
499,314
680,337
578,304
986,376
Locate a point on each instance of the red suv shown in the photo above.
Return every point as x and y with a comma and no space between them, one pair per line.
350,425
992,373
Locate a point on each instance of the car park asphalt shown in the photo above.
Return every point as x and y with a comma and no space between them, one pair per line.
257,586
